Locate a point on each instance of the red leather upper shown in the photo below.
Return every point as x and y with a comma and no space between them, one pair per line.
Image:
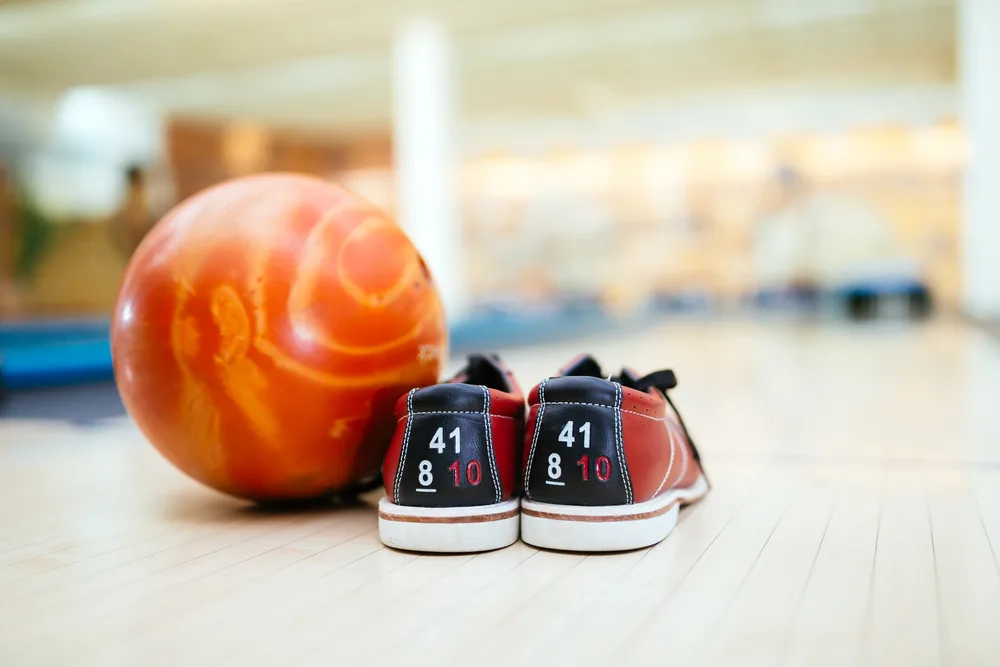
658,455
657,452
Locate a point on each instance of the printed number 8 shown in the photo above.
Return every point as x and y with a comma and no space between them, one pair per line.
554,470
425,478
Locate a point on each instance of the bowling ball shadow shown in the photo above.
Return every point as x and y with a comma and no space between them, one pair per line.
209,506
362,496
366,467
350,499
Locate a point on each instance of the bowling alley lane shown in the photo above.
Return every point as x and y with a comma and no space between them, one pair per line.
855,511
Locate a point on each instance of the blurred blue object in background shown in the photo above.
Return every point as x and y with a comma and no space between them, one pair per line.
30,333
52,353
56,353
57,364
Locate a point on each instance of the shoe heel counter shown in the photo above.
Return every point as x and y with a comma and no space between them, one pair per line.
575,450
446,454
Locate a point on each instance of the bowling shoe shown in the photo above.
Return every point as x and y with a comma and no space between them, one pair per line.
451,473
608,460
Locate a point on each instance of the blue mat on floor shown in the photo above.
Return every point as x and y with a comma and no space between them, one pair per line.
46,332
52,353
56,364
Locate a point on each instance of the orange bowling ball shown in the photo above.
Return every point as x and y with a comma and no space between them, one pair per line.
264,330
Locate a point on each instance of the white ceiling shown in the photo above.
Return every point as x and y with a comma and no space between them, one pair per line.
325,63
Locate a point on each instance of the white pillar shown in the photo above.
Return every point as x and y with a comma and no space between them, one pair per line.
423,126
979,68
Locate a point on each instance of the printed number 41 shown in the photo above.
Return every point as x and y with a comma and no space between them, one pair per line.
437,442
567,434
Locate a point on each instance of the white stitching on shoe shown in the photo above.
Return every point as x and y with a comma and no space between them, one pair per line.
609,407
490,452
673,451
684,468
620,442
457,412
534,439
406,445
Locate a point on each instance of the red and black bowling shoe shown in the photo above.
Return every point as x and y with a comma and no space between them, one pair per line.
451,471
608,461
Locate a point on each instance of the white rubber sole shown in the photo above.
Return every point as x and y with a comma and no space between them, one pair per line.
449,529
605,528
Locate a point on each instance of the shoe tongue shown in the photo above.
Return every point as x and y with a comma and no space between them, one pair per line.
582,365
486,370
629,377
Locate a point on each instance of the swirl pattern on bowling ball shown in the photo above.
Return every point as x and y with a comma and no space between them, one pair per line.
265,328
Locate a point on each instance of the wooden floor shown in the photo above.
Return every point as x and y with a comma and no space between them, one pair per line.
855,520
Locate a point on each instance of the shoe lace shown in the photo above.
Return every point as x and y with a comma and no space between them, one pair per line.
664,381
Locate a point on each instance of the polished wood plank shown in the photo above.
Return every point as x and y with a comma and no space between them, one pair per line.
854,519
831,617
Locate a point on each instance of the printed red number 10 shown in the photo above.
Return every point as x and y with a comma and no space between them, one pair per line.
473,473
602,467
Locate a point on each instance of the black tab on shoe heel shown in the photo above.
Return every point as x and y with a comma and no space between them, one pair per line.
577,454
447,457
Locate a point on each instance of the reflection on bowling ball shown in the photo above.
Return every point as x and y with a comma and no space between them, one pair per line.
264,330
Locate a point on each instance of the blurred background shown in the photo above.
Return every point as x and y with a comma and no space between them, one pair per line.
608,161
